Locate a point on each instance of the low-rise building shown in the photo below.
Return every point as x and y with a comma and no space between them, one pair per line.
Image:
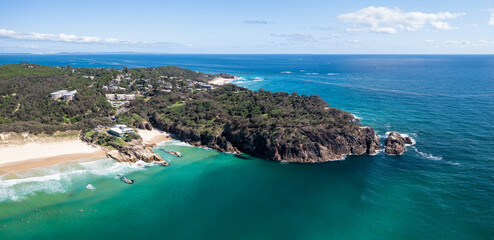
110,96
120,130
206,86
58,94
120,96
130,97
69,95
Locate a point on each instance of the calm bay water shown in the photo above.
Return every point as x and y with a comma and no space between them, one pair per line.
442,188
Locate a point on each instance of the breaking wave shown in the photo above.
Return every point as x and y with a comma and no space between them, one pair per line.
427,155
61,177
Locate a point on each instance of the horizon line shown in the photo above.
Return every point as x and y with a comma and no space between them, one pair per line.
158,53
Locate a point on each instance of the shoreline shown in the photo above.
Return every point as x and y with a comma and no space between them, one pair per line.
46,151
152,137
49,161
221,81
23,151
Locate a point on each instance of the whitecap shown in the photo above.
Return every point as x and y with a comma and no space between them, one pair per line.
356,117
258,79
428,155
177,143
286,72
90,187
312,73
333,74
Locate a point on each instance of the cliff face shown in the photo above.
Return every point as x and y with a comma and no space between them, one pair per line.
313,144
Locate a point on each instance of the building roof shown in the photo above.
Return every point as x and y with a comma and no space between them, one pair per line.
59,92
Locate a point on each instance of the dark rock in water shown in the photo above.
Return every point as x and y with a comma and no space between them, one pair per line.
408,140
395,143
163,164
241,156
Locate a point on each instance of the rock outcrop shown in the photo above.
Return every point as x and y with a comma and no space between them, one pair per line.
135,151
395,143
144,125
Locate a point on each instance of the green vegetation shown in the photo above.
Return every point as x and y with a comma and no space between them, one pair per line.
269,125
209,113
25,105
107,140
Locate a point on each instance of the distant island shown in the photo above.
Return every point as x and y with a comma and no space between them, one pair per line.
195,107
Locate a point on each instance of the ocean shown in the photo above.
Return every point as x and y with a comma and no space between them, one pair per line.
441,188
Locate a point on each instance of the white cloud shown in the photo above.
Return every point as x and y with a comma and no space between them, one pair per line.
69,38
297,37
392,20
467,43
441,25
457,43
355,41
491,22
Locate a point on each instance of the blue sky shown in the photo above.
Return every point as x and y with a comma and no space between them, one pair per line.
191,26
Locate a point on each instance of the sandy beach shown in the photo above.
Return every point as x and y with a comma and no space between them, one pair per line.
221,81
33,152
154,136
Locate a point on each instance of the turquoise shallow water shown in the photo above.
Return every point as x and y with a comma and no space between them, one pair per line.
442,188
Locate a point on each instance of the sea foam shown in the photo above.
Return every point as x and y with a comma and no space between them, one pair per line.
61,177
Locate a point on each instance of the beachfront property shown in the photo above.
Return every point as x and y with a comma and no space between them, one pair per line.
64,94
120,130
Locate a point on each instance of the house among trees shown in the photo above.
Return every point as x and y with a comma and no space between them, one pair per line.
58,94
64,94
70,95
110,96
120,130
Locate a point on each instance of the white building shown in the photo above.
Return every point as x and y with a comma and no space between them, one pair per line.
69,95
120,130
110,96
120,96
58,94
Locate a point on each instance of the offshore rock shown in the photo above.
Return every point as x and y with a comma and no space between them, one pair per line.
395,143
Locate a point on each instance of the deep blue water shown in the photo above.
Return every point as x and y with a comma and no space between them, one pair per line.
442,188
